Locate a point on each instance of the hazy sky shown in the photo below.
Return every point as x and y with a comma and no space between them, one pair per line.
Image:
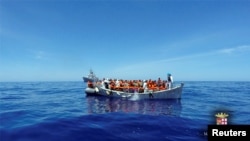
60,40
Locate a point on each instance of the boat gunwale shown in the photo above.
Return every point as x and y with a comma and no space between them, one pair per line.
146,93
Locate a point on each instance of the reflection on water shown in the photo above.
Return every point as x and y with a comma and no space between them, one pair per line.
99,104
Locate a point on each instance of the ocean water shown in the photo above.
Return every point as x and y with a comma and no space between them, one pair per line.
60,111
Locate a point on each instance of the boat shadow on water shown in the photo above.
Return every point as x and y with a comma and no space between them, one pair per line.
100,105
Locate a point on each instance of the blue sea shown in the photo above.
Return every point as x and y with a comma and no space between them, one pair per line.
60,111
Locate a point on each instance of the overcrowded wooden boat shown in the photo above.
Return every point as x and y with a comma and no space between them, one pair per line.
141,91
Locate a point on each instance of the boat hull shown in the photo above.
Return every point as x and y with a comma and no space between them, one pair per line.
174,93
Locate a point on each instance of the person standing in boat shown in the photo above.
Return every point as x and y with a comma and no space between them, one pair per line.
105,83
145,86
170,81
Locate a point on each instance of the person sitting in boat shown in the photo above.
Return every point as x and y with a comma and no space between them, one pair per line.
131,85
149,84
140,86
125,85
140,83
117,83
159,82
99,83
112,85
90,84
154,86
163,85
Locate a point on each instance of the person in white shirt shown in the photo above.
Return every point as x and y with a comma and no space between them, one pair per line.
170,81
117,83
106,83
145,87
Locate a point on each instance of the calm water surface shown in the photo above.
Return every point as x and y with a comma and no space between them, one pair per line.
60,111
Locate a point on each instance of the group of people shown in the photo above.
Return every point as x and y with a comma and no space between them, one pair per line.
139,86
